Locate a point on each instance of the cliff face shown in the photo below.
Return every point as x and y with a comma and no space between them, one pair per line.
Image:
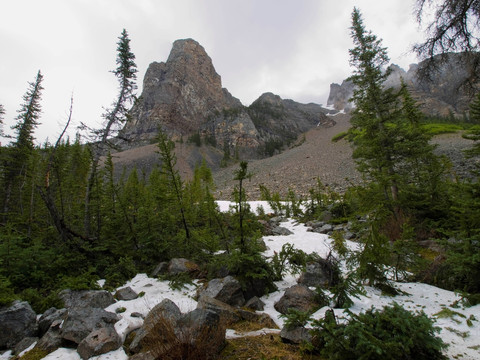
442,95
184,96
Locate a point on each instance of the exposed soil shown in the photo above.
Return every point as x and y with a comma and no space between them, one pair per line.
314,158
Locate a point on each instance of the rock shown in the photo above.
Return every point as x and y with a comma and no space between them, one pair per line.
52,339
24,344
48,317
162,317
80,322
126,294
184,96
349,235
297,335
325,229
318,273
279,230
99,342
227,289
86,298
227,313
160,269
255,304
201,329
17,322
297,297
143,356
136,315
182,266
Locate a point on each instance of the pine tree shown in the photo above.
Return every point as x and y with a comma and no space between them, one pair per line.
2,113
474,134
126,74
22,148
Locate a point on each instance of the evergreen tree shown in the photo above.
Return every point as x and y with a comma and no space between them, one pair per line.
22,147
474,134
126,74
2,113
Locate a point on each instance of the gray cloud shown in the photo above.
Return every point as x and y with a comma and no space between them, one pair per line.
292,48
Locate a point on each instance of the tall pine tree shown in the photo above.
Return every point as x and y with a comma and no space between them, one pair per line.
115,116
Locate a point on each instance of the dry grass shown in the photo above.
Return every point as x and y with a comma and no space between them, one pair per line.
263,347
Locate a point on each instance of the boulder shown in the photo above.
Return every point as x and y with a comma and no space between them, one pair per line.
99,342
80,322
298,297
201,330
160,269
86,298
297,335
182,266
17,322
126,293
52,339
227,313
255,304
162,317
227,290
48,317
319,273
143,356
24,344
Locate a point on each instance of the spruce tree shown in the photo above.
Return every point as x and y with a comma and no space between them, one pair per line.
115,116
23,145
474,134
2,113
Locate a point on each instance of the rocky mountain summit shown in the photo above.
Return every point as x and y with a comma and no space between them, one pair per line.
441,95
184,97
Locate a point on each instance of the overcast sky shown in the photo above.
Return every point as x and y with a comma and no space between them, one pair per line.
293,48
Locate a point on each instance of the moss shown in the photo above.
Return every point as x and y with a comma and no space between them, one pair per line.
34,354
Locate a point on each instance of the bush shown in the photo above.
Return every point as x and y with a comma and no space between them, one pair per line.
392,333
118,273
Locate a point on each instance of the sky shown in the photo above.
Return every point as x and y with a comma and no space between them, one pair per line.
293,48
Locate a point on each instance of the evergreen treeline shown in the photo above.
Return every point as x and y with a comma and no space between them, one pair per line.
65,222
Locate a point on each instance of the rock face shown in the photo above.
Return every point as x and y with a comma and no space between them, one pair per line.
441,96
17,322
184,96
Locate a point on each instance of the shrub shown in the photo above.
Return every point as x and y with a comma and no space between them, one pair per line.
392,333
118,273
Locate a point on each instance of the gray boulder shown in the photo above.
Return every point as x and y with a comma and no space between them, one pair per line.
99,342
24,344
162,317
160,269
48,317
86,298
319,273
297,335
126,293
182,266
255,304
52,339
17,322
227,313
79,323
297,297
227,290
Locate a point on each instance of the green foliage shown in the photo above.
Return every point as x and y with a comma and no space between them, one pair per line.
274,200
195,139
295,318
178,281
118,273
289,256
437,129
340,136
39,301
391,333
7,295
85,281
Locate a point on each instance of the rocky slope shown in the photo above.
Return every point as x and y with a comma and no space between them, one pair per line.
442,95
184,97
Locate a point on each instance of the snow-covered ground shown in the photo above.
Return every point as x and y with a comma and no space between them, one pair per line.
463,340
